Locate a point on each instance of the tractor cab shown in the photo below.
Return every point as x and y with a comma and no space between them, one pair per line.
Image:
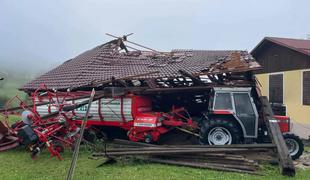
236,104
233,118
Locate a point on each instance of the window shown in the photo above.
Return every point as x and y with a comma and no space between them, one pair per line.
223,101
245,112
306,88
276,88
243,104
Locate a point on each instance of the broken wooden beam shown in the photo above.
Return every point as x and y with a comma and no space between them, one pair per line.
196,80
141,144
285,161
163,151
220,167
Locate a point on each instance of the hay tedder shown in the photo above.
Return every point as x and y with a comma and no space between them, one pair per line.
53,120
54,131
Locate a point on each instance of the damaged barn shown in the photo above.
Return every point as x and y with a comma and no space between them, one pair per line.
211,96
180,78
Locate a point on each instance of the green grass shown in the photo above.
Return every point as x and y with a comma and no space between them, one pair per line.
9,88
17,164
13,118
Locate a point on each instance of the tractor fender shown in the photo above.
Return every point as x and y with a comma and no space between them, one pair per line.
284,123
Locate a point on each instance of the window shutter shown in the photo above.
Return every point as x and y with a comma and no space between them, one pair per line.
306,88
276,88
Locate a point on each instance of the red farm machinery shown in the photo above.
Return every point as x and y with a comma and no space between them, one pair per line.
213,116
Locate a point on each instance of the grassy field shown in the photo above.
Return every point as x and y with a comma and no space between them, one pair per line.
17,164
9,88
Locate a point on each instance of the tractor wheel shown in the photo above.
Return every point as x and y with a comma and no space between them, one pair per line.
220,131
294,144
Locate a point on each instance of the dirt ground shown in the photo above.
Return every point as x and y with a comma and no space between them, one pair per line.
304,161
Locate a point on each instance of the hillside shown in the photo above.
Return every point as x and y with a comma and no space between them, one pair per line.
9,87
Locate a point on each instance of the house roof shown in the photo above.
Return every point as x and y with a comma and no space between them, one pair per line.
107,61
299,45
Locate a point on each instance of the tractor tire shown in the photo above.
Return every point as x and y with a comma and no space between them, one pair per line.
294,144
220,131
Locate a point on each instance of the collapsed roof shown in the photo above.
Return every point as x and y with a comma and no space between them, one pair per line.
113,61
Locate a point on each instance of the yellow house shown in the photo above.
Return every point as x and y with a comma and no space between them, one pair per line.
285,78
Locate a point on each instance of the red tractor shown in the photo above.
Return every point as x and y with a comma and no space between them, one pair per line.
234,116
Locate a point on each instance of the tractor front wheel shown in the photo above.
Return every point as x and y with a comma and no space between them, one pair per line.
220,131
294,144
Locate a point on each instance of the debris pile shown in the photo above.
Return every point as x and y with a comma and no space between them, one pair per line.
304,161
7,141
231,158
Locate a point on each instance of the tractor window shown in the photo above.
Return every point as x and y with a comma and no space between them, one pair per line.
223,101
243,104
245,112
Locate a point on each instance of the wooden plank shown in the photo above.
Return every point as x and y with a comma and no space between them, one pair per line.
140,144
220,167
285,161
196,80
174,151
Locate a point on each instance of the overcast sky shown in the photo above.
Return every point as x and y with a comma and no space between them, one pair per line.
48,32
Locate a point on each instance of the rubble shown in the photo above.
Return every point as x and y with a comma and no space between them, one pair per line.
7,141
304,161
225,158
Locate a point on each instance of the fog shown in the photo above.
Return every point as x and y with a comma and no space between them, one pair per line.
37,35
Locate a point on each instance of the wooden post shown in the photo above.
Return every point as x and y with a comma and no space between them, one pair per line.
285,161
